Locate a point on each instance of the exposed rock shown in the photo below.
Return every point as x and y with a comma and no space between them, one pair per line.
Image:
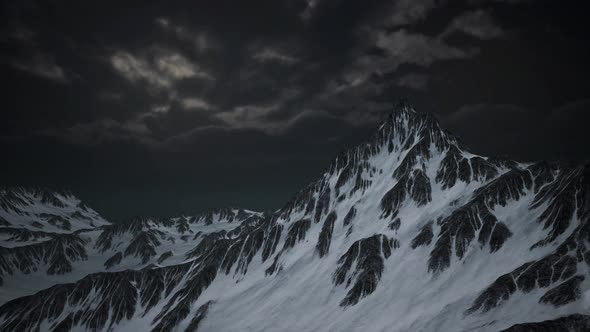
325,237
571,323
395,225
423,238
568,291
297,232
56,254
113,260
199,316
415,185
368,254
349,216
144,245
164,256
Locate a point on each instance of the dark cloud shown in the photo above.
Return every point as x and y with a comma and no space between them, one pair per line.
414,81
478,24
523,133
205,100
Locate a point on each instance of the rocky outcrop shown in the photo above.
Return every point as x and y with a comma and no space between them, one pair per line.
571,323
367,255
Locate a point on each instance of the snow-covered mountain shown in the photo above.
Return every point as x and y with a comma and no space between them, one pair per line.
40,210
32,260
408,231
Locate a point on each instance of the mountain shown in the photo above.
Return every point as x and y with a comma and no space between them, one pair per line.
43,210
408,231
33,258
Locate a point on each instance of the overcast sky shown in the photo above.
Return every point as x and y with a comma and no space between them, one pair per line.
186,105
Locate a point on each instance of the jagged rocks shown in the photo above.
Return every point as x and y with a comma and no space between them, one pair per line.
423,238
272,241
297,232
500,234
395,224
56,254
564,196
568,291
542,273
457,167
115,297
458,229
164,256
368,254
325,237
462,226
23,234
571,323
349,216
415,185
322,205
198,317
500,290
144,245
113,260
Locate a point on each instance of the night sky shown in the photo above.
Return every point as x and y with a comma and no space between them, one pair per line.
181,106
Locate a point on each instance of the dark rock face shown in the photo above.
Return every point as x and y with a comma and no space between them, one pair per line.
11,198
395,225
56,254
322,205
164,256
474,219
542,273
415,185
499,291
114,260
349,216
456,167
144,245
272,241
23,234
297,232
571,323
115,299
568,291
325,237
499,235
423,238
368,254
559,265
562,196
199,316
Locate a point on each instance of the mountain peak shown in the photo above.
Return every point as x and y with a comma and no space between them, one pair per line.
395,222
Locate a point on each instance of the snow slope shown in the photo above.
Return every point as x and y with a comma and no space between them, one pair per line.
408,231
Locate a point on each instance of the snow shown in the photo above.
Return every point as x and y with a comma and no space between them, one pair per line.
303,297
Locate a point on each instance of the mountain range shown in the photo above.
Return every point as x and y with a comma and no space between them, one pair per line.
407,231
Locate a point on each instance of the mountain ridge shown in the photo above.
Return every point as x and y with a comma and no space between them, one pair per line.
408,230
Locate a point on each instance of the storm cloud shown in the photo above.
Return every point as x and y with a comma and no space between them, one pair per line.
236,103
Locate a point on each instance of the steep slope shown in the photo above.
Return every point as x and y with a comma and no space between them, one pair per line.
408,231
